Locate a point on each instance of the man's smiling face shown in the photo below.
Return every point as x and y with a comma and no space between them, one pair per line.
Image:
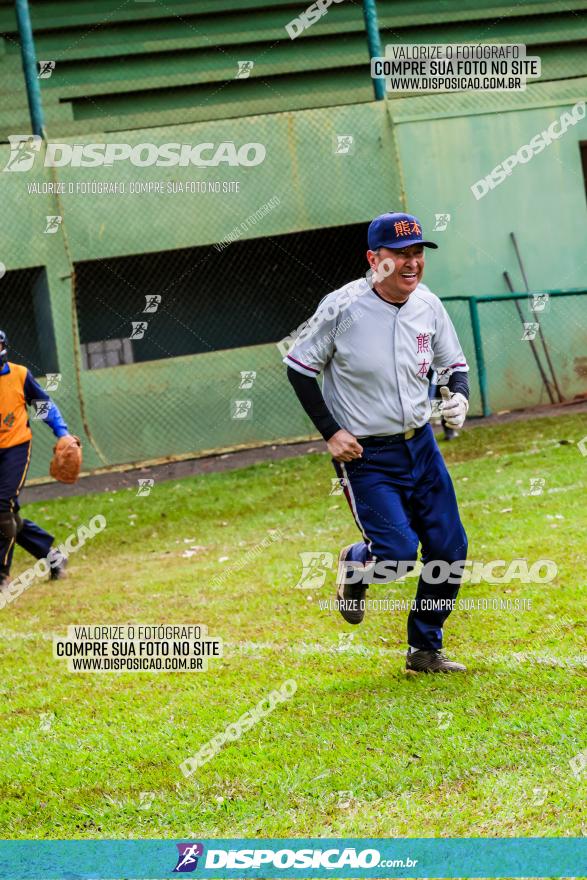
407,268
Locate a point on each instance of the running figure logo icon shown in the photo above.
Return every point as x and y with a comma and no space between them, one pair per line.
23,149
46,68
244,69
344,144
189,853
442,221
315,566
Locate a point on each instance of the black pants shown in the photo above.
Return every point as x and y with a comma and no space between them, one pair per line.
14,464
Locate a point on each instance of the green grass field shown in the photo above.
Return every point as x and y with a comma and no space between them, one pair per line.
361,749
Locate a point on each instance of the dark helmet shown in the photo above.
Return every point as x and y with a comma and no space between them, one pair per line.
3,347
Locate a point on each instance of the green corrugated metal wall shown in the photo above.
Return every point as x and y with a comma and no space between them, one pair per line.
416,152
130,65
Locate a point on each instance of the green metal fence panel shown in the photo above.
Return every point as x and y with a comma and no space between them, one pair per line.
507,344
460,313
187,406
238,268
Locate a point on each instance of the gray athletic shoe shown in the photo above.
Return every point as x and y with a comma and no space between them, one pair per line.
58,563
431,661
350,597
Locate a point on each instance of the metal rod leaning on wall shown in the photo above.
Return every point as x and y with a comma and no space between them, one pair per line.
374,43
29,66
542,339
481,371
545,381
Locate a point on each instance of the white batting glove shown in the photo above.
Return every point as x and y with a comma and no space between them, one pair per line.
454,408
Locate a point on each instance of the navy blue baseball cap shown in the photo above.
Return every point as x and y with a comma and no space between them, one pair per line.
396,231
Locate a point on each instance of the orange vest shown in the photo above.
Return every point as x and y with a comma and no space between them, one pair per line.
14,419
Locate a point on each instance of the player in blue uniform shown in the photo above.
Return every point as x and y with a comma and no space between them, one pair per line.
376,342
19,389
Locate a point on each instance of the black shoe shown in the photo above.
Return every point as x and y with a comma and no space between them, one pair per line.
431,661
58,563
350,597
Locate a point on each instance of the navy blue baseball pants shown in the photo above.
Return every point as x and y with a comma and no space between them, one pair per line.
401,495
14,464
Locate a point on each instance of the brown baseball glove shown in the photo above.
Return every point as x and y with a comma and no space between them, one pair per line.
67,459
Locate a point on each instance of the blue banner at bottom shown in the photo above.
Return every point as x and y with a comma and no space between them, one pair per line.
298,857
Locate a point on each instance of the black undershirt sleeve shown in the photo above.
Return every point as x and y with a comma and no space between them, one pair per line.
459,382
309,394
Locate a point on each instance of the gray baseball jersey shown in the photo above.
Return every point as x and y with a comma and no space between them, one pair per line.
376,356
